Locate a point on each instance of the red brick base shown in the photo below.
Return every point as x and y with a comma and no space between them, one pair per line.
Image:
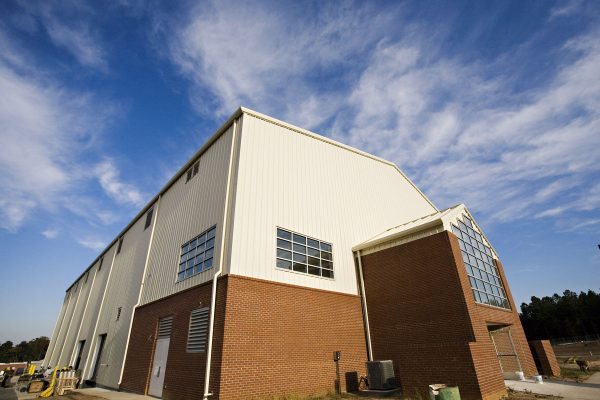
544,357
423,316
271,339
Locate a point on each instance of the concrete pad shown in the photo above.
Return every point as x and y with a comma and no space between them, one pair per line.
112,394
568,390
594,379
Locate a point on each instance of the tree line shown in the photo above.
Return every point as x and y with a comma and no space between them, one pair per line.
33,350
553,317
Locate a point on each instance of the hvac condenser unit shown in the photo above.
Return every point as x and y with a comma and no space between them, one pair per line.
381,375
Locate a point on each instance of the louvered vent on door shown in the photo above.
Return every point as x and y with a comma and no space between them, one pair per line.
198,330
164,327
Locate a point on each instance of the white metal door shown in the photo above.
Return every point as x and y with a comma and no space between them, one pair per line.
158,367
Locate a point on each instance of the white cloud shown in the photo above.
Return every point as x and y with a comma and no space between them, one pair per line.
92,243
50,233
565,9
108,176
47,135
263,61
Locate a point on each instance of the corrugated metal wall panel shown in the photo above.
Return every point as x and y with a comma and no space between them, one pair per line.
73,329
298,182
186,210
122,292
52,345
62,334
93,309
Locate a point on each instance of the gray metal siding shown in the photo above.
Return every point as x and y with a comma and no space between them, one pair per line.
122,291
186,210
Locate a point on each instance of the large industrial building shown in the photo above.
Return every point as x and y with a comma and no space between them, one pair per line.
273,248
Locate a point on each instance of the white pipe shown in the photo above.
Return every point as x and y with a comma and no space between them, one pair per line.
155,218
364,304
213,297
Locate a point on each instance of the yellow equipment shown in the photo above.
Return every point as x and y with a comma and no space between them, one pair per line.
50,391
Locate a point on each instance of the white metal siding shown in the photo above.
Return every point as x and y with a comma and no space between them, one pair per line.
298,182
186,210
57,327
88,323
71,336
122,291
66,322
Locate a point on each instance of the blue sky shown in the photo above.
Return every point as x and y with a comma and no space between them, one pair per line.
494,104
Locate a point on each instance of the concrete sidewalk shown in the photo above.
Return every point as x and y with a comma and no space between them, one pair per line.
568,390
112,395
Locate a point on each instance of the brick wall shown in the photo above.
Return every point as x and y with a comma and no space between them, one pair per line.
279,339
544,356
423,316
270,339
184,372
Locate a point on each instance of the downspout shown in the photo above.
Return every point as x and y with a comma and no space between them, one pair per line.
213,298
364,306
155,218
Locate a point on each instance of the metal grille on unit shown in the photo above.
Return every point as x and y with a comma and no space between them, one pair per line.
198,330
164,327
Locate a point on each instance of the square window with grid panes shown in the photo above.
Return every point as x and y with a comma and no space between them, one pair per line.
304,254
197,254
483,273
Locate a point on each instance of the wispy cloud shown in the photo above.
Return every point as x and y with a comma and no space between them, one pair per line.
108,176
48,134
50,233
566,8
463,129
92,243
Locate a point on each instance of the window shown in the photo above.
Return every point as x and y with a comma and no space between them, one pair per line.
148,218
196,342
119,312
483,273
192,171
197,254
303,254
120,244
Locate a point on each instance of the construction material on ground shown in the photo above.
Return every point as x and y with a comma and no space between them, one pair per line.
66,381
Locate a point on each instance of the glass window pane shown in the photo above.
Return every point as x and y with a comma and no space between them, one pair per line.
469,269
327,273
477,297
473,284
314,271
461,245
190,263
313,261
183,258
200,248
209,253
191,253
197,268
325,255
468,222
326,264
208,263
184,249
181,267
200,258
299,238
181,276
312,242
201,239
189,272
284,264
465,257
312,252
284,234
299,258
284,244
299,248
211,234
284,254
193,244
210,243
299,267
326,247
478,237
